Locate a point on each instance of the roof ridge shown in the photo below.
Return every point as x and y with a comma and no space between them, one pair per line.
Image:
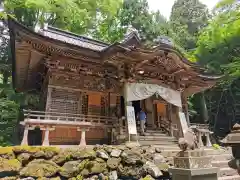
74,35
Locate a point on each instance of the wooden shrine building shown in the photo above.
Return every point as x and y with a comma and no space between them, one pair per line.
85,84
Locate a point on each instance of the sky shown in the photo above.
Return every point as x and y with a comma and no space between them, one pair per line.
165,6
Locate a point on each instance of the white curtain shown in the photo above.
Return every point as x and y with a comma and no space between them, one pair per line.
140,91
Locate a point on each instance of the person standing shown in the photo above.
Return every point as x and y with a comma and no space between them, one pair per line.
142,117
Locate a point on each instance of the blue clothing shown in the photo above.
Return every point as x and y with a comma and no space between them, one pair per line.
142,115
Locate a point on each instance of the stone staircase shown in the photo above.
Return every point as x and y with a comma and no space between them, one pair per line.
170,149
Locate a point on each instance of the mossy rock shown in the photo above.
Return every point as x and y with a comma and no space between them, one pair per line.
83,164
9,178
40,168
148,177
163,166
35,149
24,158
70,169
25,149
96,168
63,156
53,178
84,172
84,154
113,163
7,153
9,167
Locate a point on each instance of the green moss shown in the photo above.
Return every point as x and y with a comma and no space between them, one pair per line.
6,150
34,149
79,177
9,165
148,177
26,149
83,164
40,168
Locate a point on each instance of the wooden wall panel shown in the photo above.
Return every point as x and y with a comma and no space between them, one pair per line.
161,108
70,136
94,99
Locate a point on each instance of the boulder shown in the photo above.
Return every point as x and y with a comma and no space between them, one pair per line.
130,172
152,169
7,153
82,164
24,158
113,163
40,168
113,175
158,158
84,154
158,150
9,167
131,158
148,177
95,167
102,154
38,154
116,153
27,178
63,156
70,169
9,178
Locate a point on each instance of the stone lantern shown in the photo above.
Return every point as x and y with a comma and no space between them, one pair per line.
233,140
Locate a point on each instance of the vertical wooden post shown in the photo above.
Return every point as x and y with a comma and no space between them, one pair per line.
25,136
49,99
185,108
170,118
46,135
126,103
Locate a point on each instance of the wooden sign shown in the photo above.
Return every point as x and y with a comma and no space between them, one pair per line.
183,122
132,128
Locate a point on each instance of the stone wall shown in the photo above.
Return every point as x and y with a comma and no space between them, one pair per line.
99,162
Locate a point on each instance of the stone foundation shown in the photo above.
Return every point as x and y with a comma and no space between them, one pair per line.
100,162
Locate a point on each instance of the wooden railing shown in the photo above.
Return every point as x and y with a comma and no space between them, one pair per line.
95,119
202,130
199,126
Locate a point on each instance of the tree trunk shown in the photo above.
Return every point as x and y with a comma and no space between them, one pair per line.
203,106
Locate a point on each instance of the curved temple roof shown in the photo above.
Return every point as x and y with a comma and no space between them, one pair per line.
130,50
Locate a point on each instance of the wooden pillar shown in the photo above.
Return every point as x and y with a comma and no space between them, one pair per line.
49,99
25,135
169,112
83,136
46,135
185,108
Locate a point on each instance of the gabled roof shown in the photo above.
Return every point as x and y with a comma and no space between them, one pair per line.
129,50
71,38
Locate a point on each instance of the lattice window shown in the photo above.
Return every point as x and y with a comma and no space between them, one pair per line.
118,104
64,101
103,106
84,104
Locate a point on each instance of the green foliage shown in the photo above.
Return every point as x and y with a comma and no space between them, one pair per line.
8,120
187,18
74,15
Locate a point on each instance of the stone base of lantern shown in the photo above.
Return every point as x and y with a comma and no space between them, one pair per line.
193,165
194,174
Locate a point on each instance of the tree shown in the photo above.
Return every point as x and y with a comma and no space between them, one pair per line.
74,15
187,18
218,50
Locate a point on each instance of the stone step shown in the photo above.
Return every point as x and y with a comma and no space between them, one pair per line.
156,134
220,164
235,177
222,157
227,171
157,138
149,142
